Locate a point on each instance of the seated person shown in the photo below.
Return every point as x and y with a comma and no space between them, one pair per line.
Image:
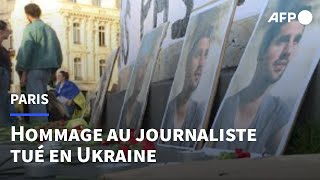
69,95
56,109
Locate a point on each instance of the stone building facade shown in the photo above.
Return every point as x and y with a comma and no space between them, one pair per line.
6,9
88,31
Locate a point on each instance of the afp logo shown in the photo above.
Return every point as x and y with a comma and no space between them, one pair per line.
304,17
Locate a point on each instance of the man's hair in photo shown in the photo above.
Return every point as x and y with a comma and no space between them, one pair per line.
33,10
200,33
275,28
3,25
65,74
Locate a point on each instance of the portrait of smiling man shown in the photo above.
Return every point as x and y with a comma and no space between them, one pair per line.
254,107
192,92
184,112
133,106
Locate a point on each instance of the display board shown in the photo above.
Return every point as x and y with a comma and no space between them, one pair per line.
267,89
195,81
138,88
100,100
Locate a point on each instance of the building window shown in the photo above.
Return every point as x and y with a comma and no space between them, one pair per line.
102,66
97,3
11,42
102,36
118,4
118,38
76,33
77,69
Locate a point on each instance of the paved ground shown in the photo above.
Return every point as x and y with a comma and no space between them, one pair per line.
75,170
285,167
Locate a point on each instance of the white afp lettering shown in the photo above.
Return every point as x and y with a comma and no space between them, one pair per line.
280,17
305,17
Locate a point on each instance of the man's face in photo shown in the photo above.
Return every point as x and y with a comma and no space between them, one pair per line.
282,49
141,70
198,61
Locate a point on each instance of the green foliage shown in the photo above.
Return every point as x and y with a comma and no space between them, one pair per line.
305,139
227,155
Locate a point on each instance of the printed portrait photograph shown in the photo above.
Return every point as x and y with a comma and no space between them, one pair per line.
138,88
192,92
103,85
268,86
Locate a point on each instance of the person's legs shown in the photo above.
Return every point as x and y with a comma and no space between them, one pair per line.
4,98
37,82
12,109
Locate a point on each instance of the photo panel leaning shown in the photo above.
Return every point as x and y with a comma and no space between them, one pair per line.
137,92
192,93
269,84
99,102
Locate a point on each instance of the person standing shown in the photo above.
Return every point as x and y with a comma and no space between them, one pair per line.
5,69
39,56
